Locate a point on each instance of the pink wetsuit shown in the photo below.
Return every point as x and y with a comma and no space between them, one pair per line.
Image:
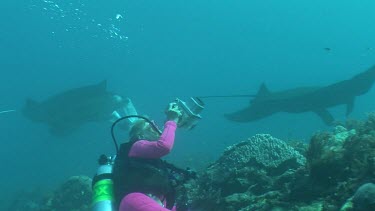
149,149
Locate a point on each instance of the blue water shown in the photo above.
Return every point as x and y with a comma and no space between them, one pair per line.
156,51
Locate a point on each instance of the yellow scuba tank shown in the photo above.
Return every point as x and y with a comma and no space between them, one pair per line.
102,185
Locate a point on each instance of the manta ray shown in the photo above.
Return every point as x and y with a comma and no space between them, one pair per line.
306,99
67,111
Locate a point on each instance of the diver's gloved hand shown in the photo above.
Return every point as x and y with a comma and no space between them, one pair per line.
173,112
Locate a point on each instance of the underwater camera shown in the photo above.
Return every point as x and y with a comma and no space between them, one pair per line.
190,112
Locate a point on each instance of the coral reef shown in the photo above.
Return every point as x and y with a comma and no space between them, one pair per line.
73,195
335,171
251,175
265,173
339,162
27,200
364,197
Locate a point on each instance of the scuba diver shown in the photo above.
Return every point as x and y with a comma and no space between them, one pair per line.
141,179
136,178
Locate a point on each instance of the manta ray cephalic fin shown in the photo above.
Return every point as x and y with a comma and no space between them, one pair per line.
325,116
350,107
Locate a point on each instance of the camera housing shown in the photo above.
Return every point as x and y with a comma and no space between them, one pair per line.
190,112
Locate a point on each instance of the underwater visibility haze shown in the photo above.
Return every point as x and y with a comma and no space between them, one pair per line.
155,51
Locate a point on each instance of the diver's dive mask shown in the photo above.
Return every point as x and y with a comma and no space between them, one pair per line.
149,133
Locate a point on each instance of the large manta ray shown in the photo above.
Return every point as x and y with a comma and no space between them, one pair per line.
305,99
67,111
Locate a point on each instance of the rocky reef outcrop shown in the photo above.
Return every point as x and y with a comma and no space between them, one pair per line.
364,197
252,175
258,169
265,173
74,195
334,171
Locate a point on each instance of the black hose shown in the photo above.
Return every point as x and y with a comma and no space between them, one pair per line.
126,117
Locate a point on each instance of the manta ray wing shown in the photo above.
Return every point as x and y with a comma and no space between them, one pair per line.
69,110
306,99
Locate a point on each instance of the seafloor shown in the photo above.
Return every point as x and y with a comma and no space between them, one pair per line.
335,171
